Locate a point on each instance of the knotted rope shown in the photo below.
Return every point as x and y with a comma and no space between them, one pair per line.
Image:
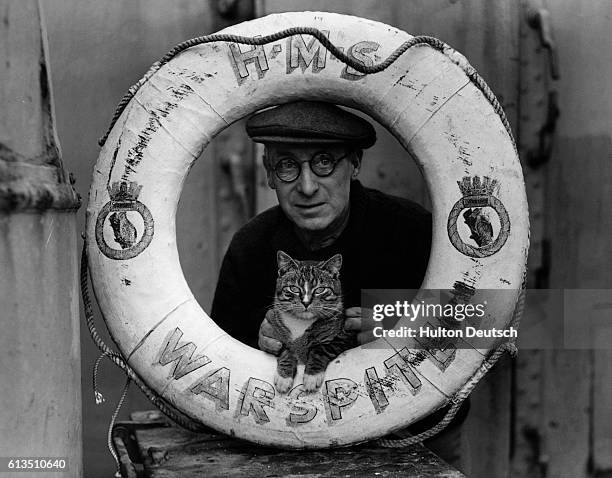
119,361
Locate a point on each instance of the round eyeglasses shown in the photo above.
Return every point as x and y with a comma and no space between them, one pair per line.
288,169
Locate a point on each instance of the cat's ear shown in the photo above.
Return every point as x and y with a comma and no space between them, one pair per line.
333,265
285,262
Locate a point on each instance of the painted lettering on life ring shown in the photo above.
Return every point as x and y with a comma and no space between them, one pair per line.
299,55
124,199
257,395
475,207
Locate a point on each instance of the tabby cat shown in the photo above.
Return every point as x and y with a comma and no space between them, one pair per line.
308,317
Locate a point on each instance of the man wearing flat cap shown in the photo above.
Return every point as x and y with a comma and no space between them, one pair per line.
313,154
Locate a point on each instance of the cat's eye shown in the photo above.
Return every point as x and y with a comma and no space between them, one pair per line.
291,289
321,290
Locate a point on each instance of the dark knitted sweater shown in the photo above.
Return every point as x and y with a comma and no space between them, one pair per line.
385,245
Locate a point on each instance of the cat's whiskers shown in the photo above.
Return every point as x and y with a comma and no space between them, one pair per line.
328,311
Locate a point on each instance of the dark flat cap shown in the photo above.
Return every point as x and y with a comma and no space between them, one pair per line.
310,122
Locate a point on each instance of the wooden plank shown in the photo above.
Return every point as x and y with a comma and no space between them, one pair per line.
486,432
528,432
580,226
566,440
171,452
582,176
578,261
578,232
540,335
602,383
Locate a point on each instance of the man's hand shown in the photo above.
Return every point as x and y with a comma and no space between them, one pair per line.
268,341
360,320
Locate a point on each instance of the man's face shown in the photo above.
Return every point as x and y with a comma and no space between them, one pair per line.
312,203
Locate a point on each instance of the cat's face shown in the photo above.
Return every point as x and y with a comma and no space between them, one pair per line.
308,289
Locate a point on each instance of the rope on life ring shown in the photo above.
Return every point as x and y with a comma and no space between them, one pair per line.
464,393
320,36
119,361
113,191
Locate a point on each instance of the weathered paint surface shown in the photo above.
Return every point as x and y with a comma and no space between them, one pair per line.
31,174
40,367
40,412
368,460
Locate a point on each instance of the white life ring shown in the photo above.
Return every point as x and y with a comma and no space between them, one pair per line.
433,108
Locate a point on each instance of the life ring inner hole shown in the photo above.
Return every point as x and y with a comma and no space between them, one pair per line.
232,157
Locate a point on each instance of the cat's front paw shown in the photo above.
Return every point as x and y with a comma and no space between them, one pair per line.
312,383
282,384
